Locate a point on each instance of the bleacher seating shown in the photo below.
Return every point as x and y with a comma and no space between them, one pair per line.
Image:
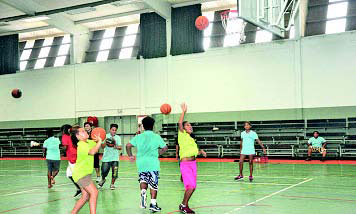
282,138
17,142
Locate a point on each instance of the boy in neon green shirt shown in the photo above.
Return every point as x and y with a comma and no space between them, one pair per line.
86,149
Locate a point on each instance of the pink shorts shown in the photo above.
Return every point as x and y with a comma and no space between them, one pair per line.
189,174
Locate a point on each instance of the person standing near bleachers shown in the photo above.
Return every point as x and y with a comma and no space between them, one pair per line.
316,144
53,157
247,146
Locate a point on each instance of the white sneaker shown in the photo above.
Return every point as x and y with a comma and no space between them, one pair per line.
101,183
98,179
112,187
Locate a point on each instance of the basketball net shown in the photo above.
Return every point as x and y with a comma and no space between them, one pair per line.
226,19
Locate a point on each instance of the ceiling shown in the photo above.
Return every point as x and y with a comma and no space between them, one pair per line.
37,18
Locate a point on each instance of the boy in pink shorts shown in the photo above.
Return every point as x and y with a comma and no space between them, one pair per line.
188,151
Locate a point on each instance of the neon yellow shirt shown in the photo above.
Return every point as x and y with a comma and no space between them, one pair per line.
85,162
187,145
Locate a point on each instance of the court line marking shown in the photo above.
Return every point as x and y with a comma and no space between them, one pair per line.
30,190
210,175
270,195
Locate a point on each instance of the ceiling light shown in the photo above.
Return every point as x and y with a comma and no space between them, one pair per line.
36,19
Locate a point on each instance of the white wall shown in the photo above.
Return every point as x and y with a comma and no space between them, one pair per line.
314,72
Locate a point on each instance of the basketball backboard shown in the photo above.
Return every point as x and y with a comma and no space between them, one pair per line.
269,14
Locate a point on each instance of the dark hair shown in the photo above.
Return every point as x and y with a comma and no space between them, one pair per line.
73,135
316,132
88,123
114,125
65,129
148,123
184,122
248,122
49,133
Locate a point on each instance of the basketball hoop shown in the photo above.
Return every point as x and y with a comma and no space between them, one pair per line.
226,18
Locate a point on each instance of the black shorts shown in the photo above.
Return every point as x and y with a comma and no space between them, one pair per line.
53,165
96,161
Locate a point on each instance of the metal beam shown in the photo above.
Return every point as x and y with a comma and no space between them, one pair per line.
26,30
56,20
112,16
183,4
161,7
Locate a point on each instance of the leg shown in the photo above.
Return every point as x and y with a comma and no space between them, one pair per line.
93,196
310,150
97,170
105,168
187,194
189,172
250,159
324,153
143,187
49,177
75,184
80,203
115,171
241,163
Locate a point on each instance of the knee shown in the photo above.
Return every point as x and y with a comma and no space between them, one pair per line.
250,161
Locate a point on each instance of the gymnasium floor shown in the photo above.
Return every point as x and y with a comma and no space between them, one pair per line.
279,187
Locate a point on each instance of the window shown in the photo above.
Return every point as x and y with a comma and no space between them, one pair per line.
338,11
48,52
113,43
333,16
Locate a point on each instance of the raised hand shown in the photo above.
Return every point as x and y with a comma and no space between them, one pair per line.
184,107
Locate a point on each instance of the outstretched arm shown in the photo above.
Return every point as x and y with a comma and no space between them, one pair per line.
181,118
163,150
259,142
202,152
129,152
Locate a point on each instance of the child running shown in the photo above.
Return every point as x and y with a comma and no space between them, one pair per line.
53,157
149,145
71,153
188,151
110,159
86,149
247,146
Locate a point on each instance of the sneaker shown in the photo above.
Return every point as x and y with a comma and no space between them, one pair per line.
181,206
98,179
308,159
143,201
112,187
78,193
187,210
155,208
239,177
250,178
101,183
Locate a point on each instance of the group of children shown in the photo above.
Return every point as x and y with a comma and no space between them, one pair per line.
82,151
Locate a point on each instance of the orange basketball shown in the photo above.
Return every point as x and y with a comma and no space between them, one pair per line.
166,108
201,22
98,132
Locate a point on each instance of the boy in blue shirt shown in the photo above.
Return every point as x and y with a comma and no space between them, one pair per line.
149,146
247,146
316,144
53,157
110,159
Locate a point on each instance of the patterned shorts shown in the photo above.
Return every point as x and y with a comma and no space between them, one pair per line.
150,178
